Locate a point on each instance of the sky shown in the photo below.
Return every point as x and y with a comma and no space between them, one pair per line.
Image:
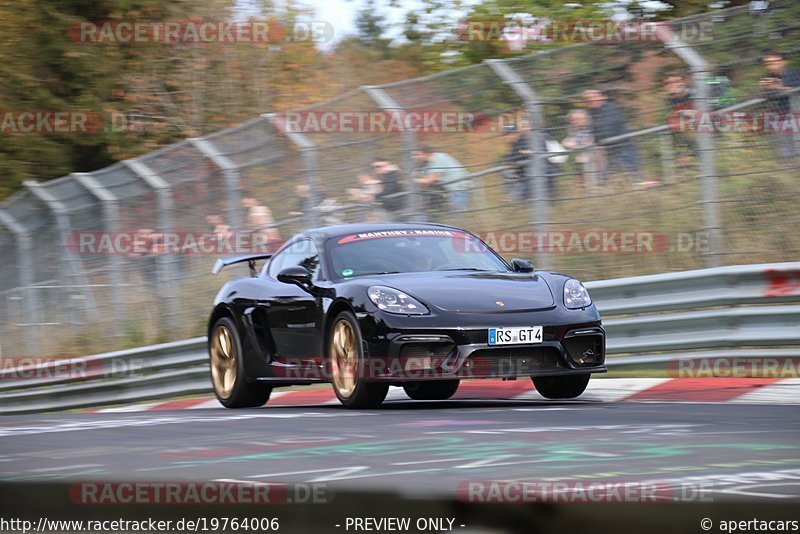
342,14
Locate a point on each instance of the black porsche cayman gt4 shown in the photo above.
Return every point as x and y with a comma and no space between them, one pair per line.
421,306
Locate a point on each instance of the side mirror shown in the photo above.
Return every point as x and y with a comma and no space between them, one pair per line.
296,275
522,266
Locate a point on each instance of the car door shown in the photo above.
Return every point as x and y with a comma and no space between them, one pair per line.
294,315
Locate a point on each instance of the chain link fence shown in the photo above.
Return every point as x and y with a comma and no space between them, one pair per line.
602,159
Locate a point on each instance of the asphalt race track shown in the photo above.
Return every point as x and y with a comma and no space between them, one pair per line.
734,451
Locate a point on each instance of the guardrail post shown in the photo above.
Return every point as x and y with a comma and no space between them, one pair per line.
72,261
166,262
25,276
700,70
111,217
230,171
311,169
537,166
390,105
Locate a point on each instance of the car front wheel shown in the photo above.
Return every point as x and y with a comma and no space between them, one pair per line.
561,387
346,358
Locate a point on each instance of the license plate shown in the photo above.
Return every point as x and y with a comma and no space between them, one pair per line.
526,335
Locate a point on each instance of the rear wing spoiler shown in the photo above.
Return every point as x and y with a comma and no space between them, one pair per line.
251,259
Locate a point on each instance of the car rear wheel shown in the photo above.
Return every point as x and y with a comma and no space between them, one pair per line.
346,357
434,390
561,387
227,369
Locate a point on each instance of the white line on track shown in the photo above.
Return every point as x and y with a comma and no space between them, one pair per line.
63,468
431,461
113,424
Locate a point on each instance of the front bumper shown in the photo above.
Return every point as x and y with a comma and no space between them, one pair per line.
398,353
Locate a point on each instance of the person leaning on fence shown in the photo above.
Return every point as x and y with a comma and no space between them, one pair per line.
590,156
781,80
304,201
146,248
365,196
327,210
679,99
390,195
607,122
443,174
262,224
218,228
517,161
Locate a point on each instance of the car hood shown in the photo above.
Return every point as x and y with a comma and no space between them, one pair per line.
476,292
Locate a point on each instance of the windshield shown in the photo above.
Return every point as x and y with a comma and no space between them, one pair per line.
408,251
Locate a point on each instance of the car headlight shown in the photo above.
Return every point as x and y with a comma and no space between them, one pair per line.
576,296
394,301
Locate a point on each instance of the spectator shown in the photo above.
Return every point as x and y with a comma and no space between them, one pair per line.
368,188
680,99
388,175
679,96
222,232
260,221
146,249
590,156
218,228
213,221
327,209
365,196
442,174
781,79
517,161
608,121
304,200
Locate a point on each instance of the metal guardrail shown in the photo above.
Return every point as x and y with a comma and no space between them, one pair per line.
741,311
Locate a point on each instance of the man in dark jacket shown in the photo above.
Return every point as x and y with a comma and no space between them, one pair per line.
679,99
607,122
390,196
781,80
518,160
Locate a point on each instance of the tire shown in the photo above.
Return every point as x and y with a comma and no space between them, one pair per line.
561,387
434,390
227,369
346,359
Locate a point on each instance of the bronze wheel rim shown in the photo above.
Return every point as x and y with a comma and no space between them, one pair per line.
223,362
344,358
